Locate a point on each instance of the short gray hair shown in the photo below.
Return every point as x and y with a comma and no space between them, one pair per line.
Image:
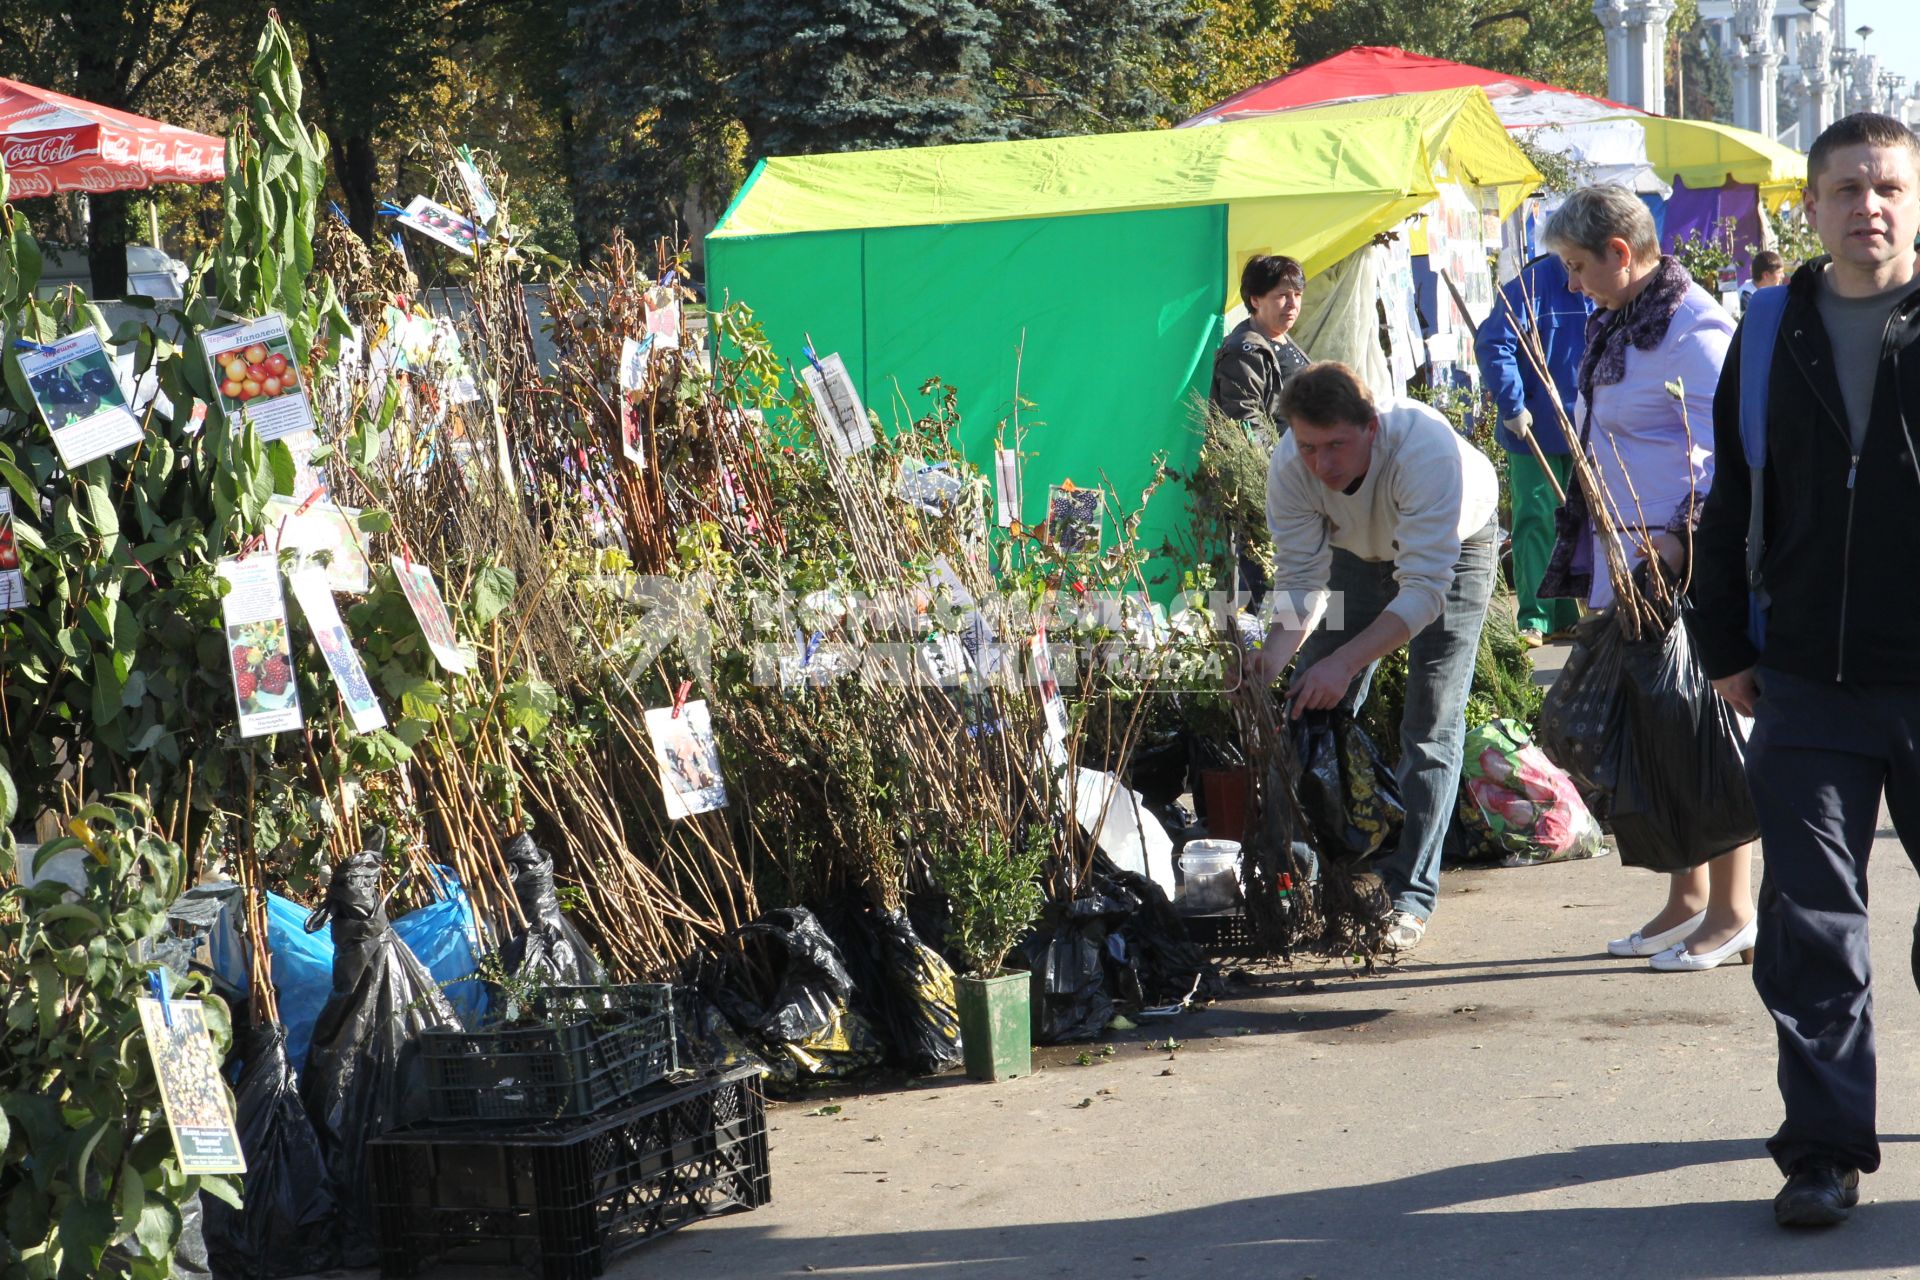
1593,216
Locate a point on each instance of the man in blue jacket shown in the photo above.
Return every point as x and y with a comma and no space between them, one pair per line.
1536,301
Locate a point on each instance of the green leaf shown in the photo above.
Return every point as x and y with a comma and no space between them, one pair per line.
221,1189
159,1228
285,469
374,520
85,1228
9,805
493,590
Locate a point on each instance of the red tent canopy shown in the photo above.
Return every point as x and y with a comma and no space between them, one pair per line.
1372,71
51,143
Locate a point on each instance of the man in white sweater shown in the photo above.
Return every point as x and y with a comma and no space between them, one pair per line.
1383,521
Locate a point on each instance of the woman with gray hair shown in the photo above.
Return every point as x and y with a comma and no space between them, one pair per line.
1651,455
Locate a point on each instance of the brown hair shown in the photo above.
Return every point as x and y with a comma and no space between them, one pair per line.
1767,260
1327,394
1262,275
1862,128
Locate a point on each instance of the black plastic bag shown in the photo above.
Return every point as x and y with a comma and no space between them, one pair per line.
904,986
287,1227
1582,720
1347,791
807,1029
1681,796
1167,965
549,948
1070,992
364,1076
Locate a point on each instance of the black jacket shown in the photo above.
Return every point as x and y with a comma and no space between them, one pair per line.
1842,534
1250,370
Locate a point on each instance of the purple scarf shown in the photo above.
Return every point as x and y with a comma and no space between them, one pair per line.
1642,324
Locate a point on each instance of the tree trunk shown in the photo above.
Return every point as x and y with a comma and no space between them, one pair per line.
359,177
107,214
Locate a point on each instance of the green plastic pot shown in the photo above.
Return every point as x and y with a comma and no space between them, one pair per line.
996,1032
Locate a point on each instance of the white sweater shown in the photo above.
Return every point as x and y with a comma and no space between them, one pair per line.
1426,491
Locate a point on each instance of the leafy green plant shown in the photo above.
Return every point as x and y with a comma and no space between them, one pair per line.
89,1183
1704,256
993,895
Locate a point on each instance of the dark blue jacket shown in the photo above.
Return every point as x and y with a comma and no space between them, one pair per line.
1509,374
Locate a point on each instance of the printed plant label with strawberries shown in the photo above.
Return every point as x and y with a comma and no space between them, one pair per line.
79,395
259,651
13,585
257,377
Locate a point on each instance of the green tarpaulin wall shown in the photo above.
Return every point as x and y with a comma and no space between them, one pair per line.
1119,314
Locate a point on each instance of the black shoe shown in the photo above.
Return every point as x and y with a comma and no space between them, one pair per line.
1818,1194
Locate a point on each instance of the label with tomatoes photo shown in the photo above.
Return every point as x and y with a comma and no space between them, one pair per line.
13,585
257,377
79,395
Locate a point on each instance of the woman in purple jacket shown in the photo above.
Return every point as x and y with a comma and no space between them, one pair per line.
1644,412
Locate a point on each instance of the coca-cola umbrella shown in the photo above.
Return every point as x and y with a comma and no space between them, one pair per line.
52,143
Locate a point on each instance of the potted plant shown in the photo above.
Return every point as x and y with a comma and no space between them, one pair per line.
993,896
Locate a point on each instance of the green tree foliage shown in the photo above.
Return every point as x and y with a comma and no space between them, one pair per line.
1557,41
89,1183
372,63
672,97
1087,66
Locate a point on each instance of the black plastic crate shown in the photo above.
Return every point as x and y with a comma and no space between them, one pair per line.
1221,933
597,1047
565,1199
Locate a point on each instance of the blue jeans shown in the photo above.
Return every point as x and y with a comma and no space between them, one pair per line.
1433,726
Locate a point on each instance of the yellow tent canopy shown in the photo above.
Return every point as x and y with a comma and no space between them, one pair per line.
1705,154
1316,184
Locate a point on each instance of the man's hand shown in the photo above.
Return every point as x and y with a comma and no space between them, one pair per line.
1320,687
1259,668
1520,424
1672,552
1740,691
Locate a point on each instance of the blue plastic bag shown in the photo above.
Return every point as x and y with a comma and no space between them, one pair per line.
302,972
441,936
445,938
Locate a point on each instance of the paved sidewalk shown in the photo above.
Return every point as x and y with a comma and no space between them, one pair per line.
1507,1102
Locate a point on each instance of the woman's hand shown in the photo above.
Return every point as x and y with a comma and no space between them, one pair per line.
1672,552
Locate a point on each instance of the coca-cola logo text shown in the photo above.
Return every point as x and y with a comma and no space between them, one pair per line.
50,149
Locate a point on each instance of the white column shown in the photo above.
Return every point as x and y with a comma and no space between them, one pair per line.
1646,36
1816,106
1766,70
1613,19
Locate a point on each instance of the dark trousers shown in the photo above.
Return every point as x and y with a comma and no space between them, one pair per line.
1819,760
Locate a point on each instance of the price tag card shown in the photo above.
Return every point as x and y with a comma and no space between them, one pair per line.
191,1090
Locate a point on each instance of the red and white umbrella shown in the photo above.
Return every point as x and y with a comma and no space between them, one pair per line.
52,143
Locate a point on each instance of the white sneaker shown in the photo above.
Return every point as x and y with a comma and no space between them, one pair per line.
1404,931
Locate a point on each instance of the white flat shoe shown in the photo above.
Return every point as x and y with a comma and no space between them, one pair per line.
1680,960
1638,944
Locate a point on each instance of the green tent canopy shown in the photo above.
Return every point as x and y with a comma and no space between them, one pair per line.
1091,272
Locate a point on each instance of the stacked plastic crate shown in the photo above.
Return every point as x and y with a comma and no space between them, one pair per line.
559,1143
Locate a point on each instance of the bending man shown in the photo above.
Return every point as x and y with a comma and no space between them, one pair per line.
1383,516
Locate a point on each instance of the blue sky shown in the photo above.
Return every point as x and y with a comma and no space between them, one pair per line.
1896,33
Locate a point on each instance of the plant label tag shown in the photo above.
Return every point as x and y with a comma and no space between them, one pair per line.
663,322
430,611
315,594
437,222
1073,518
13,584
839,405
688,759
1006,487
195,1098
635,356
77,392
257,378
479,199
141,390
632,446
259,651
